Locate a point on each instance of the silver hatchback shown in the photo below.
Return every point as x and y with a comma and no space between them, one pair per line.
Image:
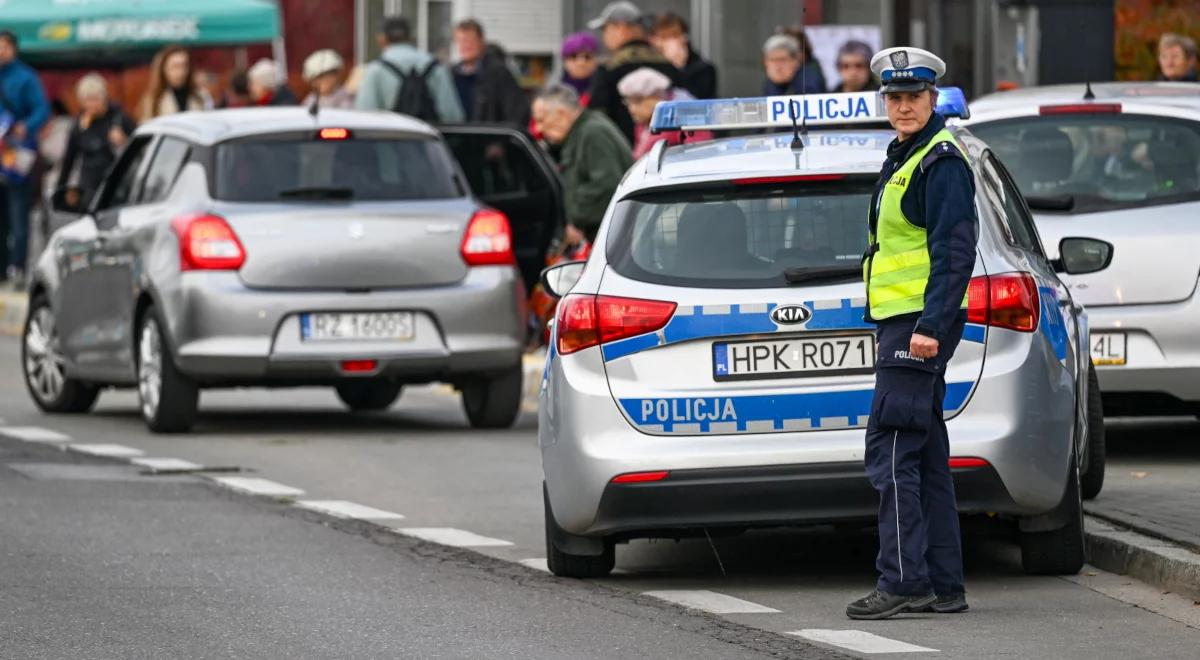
269,247
711,370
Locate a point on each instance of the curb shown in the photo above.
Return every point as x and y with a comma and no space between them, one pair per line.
13,307
1163,564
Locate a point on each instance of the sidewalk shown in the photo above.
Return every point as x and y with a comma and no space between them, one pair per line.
13,305
1152,484
1146,522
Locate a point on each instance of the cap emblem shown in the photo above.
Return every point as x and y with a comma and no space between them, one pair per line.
900,59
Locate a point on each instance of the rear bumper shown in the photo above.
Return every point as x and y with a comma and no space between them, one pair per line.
766,496
225,333
1020,419
1162,356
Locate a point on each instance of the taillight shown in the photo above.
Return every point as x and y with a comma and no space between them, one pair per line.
977,300
207,242
967,462
585,320
1007,301
488,240
640,477
333,134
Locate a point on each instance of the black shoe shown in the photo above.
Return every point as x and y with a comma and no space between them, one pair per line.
951,604
881,605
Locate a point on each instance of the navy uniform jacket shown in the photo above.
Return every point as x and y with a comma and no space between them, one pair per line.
940,198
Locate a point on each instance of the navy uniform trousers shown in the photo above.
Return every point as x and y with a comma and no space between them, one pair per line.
907,462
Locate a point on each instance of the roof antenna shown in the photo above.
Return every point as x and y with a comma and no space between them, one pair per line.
315,106
794,113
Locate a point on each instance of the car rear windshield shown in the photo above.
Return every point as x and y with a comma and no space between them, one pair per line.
302,168
743,236
1095,162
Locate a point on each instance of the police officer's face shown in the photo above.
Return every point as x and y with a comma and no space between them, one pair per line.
908,112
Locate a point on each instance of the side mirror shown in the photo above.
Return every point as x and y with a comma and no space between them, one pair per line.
558,280
1080,256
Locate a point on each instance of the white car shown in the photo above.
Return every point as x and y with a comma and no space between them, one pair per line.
1124,167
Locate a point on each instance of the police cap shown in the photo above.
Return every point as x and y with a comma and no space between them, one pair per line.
907,69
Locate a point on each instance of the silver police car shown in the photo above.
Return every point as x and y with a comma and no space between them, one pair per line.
273,247
710,367
1122,164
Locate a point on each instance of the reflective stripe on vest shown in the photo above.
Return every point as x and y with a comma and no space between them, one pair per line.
896,274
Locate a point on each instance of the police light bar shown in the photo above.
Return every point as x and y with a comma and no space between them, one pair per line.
778,111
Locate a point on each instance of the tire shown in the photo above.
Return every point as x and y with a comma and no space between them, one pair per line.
1092,480
567,565
493,403
167,398
368,395
43,365
1059,551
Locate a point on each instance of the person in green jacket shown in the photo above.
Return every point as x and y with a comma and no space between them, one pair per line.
593,156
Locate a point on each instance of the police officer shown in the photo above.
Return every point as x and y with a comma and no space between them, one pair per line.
923,231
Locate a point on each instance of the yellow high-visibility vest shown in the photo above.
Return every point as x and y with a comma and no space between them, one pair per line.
896,269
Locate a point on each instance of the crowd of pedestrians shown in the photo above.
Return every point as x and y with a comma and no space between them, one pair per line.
593,119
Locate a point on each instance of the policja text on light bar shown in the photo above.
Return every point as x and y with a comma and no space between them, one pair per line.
777,111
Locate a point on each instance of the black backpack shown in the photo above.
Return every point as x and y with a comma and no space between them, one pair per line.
414,98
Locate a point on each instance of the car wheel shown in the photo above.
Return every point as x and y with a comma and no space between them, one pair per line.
168,398
44,366
1092,480
1059,551
564,564
493,403
368,395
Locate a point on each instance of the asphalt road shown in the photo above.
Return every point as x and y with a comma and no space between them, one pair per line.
422,461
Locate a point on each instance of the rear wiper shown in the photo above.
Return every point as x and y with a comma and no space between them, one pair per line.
317,193
818,273
1055,203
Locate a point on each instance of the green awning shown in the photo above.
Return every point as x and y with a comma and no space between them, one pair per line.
75,27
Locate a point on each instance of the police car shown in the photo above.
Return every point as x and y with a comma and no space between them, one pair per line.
710,367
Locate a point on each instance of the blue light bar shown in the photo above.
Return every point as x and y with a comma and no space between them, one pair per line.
952,103
854,108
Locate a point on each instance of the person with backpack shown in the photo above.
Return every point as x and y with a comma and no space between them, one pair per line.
407,80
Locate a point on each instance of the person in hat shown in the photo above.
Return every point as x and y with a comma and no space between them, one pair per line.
922,235
642,90
323,73
579,57
624,36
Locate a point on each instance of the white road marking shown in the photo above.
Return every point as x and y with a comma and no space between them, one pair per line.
258,486
344,509
710,601
459,538
34,434
167,464
112,451
858,640
537,564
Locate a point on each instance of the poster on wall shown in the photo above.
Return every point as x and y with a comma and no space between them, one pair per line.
827,39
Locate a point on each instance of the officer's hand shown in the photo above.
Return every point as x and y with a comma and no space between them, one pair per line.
922,346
